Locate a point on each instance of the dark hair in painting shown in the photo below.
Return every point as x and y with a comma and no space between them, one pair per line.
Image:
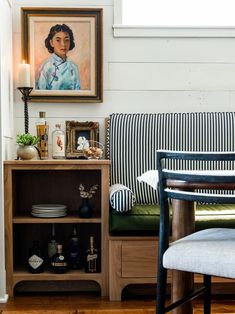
59,28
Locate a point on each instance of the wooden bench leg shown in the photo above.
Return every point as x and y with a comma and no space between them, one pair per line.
115,285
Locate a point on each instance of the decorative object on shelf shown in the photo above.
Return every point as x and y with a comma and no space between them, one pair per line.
35,259
52,243
59,262
86,209
78,134
42,133
91,258
94,150
27,149
75,79
58,143
75,252
49,210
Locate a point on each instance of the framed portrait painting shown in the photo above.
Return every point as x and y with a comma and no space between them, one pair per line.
64,50
77,135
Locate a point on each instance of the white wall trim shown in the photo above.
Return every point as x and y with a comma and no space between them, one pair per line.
120,30
117,14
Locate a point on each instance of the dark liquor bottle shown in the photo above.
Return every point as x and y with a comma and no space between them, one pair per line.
35,259
91,258
52,243
59,263
75,254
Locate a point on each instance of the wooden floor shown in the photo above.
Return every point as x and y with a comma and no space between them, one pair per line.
87,304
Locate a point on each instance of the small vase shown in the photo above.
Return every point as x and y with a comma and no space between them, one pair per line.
85,210
26,152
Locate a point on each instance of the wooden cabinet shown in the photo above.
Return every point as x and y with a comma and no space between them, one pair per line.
53,182
132,260
139,259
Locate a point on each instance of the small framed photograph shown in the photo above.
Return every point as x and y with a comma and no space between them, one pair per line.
64,49
77,134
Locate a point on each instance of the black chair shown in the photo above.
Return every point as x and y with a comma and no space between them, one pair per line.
210,252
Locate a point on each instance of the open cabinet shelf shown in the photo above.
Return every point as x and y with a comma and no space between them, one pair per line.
54,182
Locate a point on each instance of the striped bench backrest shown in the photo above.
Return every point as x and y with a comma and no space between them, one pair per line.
132,141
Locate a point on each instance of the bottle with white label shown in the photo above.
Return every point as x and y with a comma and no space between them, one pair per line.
59,262
58,143
91,258
35,259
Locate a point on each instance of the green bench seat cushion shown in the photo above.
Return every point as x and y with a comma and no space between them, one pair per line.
144,219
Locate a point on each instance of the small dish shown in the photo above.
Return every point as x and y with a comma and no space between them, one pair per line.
94,151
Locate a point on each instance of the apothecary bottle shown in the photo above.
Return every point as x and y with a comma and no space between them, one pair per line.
42,133
91,258
35,259
58,143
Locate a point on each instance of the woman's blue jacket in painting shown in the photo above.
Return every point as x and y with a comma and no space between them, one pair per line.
58,74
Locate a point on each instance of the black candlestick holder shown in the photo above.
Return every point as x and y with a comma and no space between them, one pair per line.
25,91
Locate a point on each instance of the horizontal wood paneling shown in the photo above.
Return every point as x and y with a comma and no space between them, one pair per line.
141,74
201,50
126,101
171,76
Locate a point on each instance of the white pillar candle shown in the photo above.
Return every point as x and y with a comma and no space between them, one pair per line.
24,75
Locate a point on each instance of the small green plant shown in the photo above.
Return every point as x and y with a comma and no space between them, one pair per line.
26,139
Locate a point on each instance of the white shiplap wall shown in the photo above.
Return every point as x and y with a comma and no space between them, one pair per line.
142,74
5,119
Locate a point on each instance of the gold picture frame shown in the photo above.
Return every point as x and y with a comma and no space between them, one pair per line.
74,74
76,133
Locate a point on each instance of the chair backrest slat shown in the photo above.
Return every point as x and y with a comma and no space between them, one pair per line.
216,177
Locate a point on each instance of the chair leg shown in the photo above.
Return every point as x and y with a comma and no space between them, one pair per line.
161,290
207,295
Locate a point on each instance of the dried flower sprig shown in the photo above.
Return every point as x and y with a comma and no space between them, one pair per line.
87,194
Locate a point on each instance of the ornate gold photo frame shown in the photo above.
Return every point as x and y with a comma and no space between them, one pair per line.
76,134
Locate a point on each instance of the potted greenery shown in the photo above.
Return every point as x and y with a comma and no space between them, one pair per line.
26,149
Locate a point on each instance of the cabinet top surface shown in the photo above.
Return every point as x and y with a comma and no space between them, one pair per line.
58,162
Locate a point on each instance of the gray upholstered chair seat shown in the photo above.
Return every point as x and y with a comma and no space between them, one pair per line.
211,251
188,253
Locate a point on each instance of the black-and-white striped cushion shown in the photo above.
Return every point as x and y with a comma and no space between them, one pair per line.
134,138
121,198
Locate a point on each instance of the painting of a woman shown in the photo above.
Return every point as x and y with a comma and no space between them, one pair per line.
64,49
58,72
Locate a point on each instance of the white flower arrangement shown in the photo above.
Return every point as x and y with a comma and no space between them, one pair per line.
87,194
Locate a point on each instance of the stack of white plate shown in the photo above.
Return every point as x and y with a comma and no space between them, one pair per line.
49,210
